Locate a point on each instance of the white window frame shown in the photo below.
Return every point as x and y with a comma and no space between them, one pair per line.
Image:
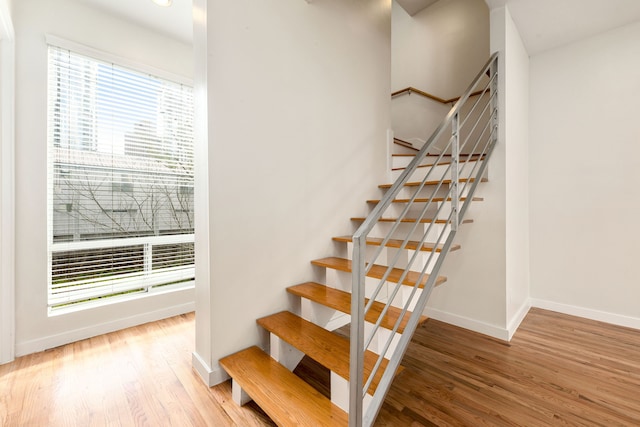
122,61
84,50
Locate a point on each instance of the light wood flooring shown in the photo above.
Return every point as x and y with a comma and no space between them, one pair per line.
557,370
140,376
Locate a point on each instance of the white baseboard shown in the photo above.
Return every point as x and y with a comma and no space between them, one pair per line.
67,337
587,313
468,323
209,376
514,323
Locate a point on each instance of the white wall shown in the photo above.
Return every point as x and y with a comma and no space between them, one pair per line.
414,117
77,22
297,111
515,118
585,157
439,50
7,221
488,284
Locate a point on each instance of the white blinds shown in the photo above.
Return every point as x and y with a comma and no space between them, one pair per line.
121,180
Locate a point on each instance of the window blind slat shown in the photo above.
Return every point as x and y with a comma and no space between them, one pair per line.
121,179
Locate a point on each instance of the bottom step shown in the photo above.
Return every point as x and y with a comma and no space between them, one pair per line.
287,399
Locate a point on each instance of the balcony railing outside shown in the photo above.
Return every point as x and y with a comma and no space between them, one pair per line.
132,265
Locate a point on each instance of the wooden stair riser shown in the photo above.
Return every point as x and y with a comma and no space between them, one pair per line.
440,171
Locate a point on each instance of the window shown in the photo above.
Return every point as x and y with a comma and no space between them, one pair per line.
122,185
120,146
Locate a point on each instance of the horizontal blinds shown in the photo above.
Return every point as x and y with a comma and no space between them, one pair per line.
120,180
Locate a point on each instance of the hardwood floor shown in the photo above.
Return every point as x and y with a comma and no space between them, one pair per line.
140,376
557,370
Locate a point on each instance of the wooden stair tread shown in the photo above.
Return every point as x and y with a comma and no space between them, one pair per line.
417,184
426,200
378,271
396,243
329,349
286,398
341,301
412,220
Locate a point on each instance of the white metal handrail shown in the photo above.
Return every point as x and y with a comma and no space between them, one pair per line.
472,129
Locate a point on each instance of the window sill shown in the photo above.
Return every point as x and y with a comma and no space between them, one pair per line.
121,299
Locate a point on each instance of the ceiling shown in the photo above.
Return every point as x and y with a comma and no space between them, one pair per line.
543,24
174,21
414,6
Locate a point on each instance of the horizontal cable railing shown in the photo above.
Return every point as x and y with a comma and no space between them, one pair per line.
92,269
436,205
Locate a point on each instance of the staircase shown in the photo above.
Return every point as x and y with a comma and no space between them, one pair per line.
382,291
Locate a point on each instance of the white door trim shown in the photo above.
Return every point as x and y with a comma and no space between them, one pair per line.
7,198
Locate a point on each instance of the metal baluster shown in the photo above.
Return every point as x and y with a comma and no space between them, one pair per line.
494,99
356,363
455,157
356,416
